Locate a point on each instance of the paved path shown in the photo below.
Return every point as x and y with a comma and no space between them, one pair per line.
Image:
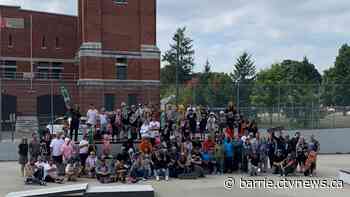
207,187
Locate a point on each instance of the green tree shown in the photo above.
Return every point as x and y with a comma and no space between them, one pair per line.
181,55
207,67
294,87
243,76
244,68
337,80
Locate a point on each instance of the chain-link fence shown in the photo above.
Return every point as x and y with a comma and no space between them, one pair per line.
292,106
29,103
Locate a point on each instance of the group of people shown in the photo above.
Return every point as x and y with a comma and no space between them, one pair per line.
179,142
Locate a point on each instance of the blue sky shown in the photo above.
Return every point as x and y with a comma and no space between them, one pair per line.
271,30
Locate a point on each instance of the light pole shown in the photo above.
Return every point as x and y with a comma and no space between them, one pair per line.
177,69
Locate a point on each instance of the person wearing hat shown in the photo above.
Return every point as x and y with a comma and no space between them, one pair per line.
212,125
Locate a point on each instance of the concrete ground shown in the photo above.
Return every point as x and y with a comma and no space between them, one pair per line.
328,165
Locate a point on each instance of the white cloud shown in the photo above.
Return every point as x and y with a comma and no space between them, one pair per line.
271,30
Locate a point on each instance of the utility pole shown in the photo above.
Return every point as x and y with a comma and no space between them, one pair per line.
177,69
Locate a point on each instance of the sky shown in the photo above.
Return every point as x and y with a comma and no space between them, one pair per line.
270,30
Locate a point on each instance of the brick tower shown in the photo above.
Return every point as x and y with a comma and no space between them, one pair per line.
118,57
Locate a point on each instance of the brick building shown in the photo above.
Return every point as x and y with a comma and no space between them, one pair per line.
106,55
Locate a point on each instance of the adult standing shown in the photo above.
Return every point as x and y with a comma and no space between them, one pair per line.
23,154
91,115
55,146
83,151
75,121
34,147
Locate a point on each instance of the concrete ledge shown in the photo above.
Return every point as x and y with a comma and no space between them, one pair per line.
120,191
89,191
344,175
54,192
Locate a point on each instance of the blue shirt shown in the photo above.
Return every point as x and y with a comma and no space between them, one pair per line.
228,148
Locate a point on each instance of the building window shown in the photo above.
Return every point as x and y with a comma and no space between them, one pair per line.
109,102
8,69
43,70
10,41
120,2
43,42
58,43
56,70
132,99
122,69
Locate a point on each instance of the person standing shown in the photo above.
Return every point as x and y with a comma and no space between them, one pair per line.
34,147
83,151
55,146
91,115
74,124
23,154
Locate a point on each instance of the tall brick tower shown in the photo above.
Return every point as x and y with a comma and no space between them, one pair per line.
118,57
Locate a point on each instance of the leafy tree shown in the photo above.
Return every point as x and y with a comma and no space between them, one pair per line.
337,80
293,86
181,55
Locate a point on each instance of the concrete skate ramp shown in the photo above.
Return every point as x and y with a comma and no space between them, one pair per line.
82,190
344,175
52,192
120,191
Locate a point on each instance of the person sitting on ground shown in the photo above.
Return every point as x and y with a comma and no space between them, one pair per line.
196,163
120,171
33,174
51,173
161,161
137,170
310,163
103,172
90,165
254,164
277,161
72,170
289,165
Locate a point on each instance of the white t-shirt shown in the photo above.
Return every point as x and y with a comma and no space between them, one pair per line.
144,130
92,116
103,119
84,149
56,145
154,129
47,167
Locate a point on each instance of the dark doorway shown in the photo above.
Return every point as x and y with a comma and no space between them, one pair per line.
44,108
9,107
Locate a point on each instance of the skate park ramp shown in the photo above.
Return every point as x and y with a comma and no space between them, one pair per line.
85,190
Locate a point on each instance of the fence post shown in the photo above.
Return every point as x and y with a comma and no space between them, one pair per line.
52,113
0,109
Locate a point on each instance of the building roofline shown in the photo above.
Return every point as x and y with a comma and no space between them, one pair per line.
36,11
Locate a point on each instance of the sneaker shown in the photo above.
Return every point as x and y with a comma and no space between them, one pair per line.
157,178
167,178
